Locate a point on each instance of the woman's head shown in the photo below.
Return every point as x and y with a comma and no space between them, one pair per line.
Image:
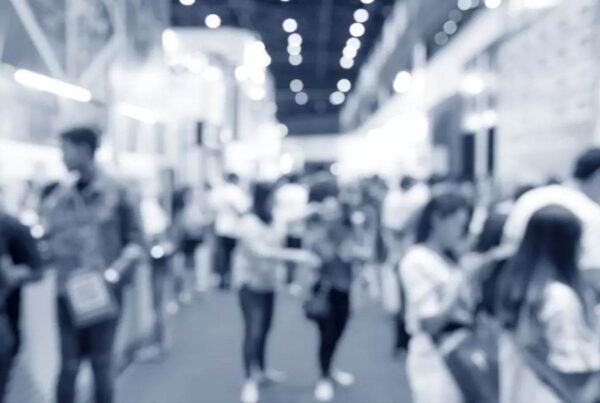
549,250
262,202
491,234
443,220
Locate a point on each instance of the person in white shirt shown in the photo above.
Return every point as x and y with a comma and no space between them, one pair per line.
230,202
582,197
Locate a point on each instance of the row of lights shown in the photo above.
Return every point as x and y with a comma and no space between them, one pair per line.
450,27
212,21
294,49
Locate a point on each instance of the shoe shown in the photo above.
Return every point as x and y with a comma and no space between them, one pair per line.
272,376
324,391
342,378
250,393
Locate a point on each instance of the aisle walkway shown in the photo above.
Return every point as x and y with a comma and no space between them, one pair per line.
204,364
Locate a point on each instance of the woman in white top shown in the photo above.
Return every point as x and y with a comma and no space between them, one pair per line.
258,256
433,283
545,308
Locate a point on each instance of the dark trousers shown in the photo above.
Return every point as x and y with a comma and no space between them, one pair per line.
257,310
292,242
6,352
12,330
225,247
94,342
331,328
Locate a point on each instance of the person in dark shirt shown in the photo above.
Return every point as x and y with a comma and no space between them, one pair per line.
19,263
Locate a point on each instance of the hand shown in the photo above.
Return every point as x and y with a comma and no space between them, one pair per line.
309,259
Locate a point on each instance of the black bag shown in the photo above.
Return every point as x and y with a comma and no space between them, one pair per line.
317,306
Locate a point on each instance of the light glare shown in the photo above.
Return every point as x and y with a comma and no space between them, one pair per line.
357,29
344,85
213,21
290,25
44,83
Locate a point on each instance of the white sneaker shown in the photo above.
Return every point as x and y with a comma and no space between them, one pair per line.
324,391
250,392
342,378
271,376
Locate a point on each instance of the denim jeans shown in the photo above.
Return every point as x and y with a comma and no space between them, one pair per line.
94,342
257,309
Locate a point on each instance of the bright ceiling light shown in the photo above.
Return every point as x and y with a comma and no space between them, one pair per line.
295,39
493,3
464,5
367,1
301,98
295,60
353,43
187,2
455,16
169,40
350,53
284,132
290,25
346,63
212,21
44,83
441,38
137,113
337,98
357,29
344,85
294,49
361,15
296,85
450,27
402,82
241,73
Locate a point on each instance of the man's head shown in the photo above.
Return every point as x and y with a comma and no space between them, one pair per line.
232,178
587,173
79,147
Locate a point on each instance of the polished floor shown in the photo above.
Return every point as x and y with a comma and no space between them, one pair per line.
204,362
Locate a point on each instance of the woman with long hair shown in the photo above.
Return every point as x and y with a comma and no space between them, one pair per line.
258,257
436,301
546,308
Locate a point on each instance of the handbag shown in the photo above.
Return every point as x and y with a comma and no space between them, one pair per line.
317,305
89,299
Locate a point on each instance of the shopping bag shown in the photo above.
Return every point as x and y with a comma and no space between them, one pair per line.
317,305
89,299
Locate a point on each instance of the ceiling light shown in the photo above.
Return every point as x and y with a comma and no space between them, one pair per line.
464,5
493,3
284,132
187,2
350,53
367,1
295,60
455,16
285,1
361,15
296,85
357,29
346,63
344,85
44,83
213,21
402,82
441,38
241,73
295,39
301,98
290,25
450,27
337,98
294,49
353,43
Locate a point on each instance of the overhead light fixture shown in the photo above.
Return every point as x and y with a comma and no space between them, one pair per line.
353,43
187,2
367,1
295,60
284,130
464,5
212,21
290,25
357,29
455,16
346,63
441,38
294,49
350,53
285,1
361,15
301,98
137,112
295,39
492,4
296,85
402,82
44,83
450,27
344,85
337,98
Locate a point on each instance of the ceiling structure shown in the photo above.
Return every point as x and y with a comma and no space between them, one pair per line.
324,28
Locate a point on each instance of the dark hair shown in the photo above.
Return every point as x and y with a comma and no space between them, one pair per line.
407,182
261,201
82,136
549,248
587,164
521,190
491,234
443,205
232,178
323,189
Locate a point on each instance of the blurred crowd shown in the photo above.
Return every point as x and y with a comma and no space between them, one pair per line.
492,297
